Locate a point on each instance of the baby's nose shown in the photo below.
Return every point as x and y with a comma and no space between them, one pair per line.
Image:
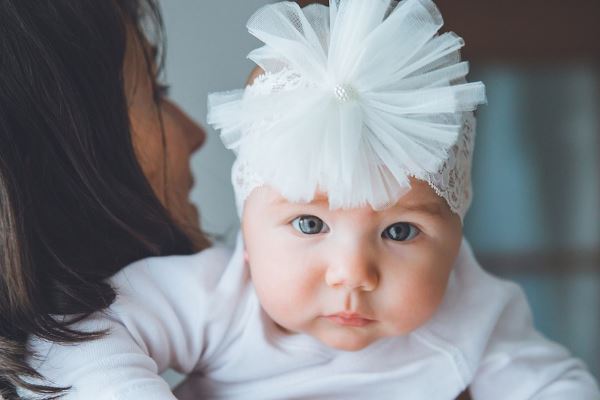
354,270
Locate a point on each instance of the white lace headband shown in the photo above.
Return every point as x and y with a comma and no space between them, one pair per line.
355,100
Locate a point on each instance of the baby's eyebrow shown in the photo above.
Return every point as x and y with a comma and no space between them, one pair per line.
315,202
432,208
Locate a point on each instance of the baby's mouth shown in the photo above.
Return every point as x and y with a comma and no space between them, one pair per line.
349,319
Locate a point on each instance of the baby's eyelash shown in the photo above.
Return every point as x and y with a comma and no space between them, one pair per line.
309,225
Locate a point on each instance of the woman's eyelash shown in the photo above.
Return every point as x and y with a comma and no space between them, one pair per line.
161,90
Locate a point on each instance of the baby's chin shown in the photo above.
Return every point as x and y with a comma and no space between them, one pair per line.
349,339
348,343
353,339
339,340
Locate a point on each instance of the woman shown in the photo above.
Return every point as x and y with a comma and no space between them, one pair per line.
94,167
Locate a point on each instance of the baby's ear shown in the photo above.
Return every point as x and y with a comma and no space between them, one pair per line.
245,256
255,72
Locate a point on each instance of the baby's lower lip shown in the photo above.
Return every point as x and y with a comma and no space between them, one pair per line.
349,321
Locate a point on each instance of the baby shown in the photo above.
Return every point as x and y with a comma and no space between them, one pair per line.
351,278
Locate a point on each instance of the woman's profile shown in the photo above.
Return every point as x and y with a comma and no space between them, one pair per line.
94,167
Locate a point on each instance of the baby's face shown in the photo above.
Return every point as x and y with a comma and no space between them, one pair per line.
350,277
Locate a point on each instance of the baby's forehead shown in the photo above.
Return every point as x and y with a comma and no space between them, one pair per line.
420,198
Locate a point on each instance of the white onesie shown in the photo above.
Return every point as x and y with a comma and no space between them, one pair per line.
200,314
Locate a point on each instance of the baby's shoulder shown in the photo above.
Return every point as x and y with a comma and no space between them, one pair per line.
201,271
473,288
480,312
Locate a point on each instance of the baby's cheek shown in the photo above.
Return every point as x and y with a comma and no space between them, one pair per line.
285,295
417,301
274,302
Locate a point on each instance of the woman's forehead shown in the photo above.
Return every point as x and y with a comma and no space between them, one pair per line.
138,66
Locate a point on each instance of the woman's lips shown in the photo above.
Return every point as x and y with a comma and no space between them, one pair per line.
349,319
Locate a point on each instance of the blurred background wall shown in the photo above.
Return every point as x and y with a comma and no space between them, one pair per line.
536,212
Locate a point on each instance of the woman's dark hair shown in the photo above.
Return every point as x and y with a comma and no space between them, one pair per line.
75,206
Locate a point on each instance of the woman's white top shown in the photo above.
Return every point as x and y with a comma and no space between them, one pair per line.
200,314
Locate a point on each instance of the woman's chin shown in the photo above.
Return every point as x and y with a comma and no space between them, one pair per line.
193,215
193,230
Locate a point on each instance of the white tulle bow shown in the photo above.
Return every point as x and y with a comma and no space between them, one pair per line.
356,99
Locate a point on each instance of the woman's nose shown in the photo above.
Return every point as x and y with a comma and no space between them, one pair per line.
195,134
354,270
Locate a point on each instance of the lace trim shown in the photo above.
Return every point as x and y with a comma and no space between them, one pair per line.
244,182
453,181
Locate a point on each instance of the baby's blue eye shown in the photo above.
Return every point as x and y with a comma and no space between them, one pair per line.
310,225
400,232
